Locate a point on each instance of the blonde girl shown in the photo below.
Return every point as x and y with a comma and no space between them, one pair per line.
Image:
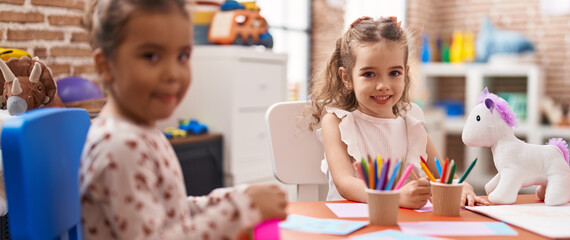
363,104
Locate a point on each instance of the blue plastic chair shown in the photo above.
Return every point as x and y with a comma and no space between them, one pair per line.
41,151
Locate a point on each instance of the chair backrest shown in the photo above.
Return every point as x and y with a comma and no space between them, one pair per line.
41,151
295,150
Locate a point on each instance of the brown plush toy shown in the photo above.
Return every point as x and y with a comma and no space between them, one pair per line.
28,84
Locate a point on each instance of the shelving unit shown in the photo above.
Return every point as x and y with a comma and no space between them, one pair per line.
477,77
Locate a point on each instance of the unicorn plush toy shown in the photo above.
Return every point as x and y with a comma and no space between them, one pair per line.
519,164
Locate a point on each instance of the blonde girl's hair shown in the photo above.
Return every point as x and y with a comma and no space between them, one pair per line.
327,88
105,20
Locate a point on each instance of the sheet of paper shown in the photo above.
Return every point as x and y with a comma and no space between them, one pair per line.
360,210
426,208
550,221
448,228
391,235
321,225
349,210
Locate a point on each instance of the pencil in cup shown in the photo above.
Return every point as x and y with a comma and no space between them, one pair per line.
378,176
466,173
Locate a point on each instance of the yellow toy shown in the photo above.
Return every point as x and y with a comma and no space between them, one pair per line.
7,53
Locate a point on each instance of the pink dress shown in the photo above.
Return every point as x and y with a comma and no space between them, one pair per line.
365,135
132,188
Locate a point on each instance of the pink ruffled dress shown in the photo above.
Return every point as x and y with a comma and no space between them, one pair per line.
365,136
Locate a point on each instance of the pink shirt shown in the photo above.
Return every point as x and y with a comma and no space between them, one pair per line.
132,188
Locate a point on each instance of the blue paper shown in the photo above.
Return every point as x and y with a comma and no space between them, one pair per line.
391,234
321,225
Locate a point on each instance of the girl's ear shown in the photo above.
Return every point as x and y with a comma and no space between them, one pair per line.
407,70
102,66
343,73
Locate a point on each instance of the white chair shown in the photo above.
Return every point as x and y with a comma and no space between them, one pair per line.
295,150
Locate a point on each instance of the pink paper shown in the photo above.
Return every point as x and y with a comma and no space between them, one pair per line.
349,210
268,230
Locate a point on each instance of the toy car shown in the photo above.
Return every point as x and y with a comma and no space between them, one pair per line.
191,126
171,132
241,26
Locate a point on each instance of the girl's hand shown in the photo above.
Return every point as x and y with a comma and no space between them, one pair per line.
270,199
468,196
415,194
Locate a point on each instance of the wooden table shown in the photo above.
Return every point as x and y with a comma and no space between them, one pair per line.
320,210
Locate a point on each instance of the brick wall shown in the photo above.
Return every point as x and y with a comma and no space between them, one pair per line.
549,34
327,25
50,30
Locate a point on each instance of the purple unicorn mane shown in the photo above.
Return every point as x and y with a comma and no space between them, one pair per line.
501,106
561,144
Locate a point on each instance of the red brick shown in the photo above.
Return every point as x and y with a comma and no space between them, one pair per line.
40,52
79,37
21,17
21,2
82,69
62,20
59,68
19,35
73,4
70,52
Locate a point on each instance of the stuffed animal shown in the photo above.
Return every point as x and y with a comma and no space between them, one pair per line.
519,164
28,84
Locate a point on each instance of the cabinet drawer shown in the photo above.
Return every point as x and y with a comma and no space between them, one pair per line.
249,134
250,168
262,84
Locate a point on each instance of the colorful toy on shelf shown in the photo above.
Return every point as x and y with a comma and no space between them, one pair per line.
27,84
456,49
171,132
444,52
241,25
75,88
492,41
7,53
425,49
186,127
519,164
192,126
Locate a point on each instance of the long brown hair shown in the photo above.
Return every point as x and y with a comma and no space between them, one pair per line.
327,88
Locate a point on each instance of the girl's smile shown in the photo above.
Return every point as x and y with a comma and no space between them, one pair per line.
381,99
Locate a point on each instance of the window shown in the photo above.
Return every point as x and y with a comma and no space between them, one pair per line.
289,24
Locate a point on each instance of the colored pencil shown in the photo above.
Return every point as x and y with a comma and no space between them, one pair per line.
452,173
364,171
393,177
399,175
374,174
428,173
371,178
404,176
382,176
438,166
414,176
423,160
466,173
360,172
379,165
444,172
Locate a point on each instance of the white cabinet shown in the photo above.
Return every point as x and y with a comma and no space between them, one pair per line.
476,77
232,87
